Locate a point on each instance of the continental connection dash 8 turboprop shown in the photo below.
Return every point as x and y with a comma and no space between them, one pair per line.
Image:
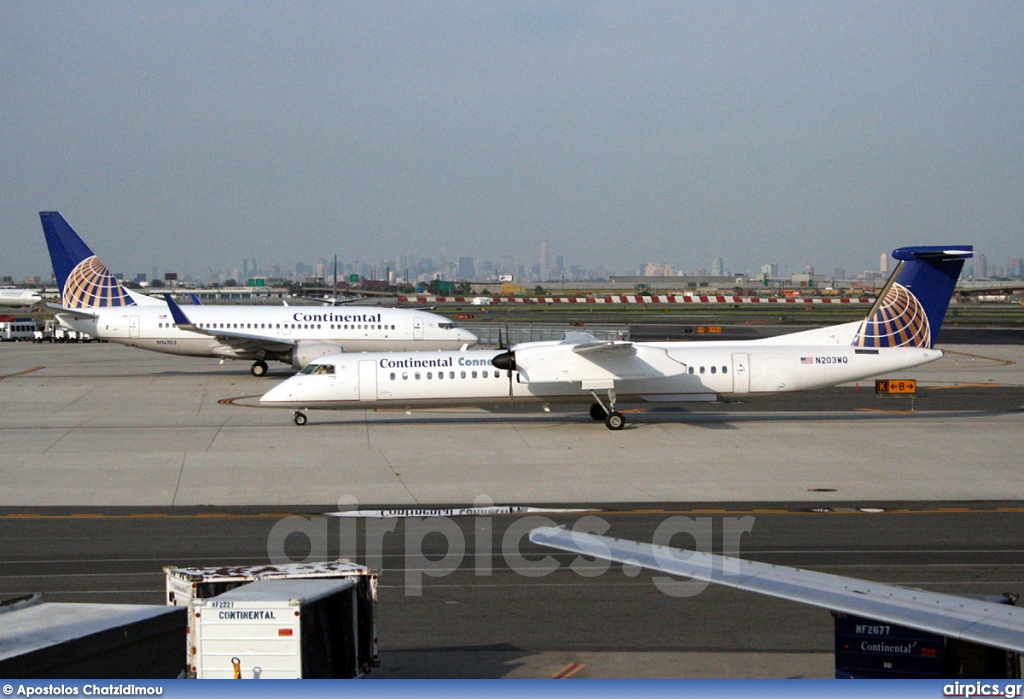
898,333
94,301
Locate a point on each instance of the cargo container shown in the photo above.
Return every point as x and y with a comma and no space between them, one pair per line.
279,629
51,640
184,585
869,649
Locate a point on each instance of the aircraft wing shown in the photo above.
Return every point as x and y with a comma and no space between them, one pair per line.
231,338
986,623
57,308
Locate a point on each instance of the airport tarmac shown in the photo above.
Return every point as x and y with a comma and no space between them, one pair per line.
117,462
484,617
106,425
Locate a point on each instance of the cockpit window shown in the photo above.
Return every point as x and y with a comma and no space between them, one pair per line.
446,326
322,369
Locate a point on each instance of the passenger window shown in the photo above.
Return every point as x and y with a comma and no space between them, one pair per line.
451,374
474,374
405,376
463,374
392,376
485,373
417,376
430,374
440,374
702,370
714,370
725,370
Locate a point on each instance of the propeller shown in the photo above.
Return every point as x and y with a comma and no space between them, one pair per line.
506,361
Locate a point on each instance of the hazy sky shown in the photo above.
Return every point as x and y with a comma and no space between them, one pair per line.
186,135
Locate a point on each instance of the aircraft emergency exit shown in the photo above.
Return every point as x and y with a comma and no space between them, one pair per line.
93,301
898,333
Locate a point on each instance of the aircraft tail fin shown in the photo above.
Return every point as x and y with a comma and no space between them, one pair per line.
84,280
910,310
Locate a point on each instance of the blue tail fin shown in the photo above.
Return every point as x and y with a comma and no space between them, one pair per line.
84,281
911,307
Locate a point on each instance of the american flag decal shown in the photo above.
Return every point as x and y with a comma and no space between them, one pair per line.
807,360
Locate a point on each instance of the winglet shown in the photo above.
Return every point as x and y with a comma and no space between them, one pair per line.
180,319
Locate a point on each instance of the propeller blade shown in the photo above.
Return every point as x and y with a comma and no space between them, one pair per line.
506,361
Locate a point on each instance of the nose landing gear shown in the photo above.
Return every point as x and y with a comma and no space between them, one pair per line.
299,418
258,368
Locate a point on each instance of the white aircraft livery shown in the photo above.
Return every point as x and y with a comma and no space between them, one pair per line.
93,301
19,297
898,333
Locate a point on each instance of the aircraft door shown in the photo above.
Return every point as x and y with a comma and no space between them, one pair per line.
417,328
133,326
740,373
367,381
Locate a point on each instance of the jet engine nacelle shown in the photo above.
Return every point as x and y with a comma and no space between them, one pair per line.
306,352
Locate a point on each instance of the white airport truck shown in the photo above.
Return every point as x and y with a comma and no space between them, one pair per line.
186,586
279,629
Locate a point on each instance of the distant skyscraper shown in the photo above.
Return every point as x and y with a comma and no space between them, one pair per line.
545,260
508,264
883,264
718,267
839,273
771,269
466,269
980,266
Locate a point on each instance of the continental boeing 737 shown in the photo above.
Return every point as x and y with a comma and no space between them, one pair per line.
898,333
93,301
19,297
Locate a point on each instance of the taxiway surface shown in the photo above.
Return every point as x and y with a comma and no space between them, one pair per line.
106,425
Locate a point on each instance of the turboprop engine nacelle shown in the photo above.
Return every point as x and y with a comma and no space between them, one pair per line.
306,352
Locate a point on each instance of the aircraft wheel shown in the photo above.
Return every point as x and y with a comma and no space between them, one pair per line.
597,413
259,368
615,421
300,419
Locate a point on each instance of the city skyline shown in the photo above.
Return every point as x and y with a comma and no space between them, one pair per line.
416,269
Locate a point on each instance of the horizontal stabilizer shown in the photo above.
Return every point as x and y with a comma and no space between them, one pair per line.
57,308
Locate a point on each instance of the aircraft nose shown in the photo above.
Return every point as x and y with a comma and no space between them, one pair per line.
281,393
468,337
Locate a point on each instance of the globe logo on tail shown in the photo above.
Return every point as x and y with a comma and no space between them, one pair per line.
898,321
91,285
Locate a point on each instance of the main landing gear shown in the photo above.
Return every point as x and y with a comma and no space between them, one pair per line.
258,368
612,420
299,418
